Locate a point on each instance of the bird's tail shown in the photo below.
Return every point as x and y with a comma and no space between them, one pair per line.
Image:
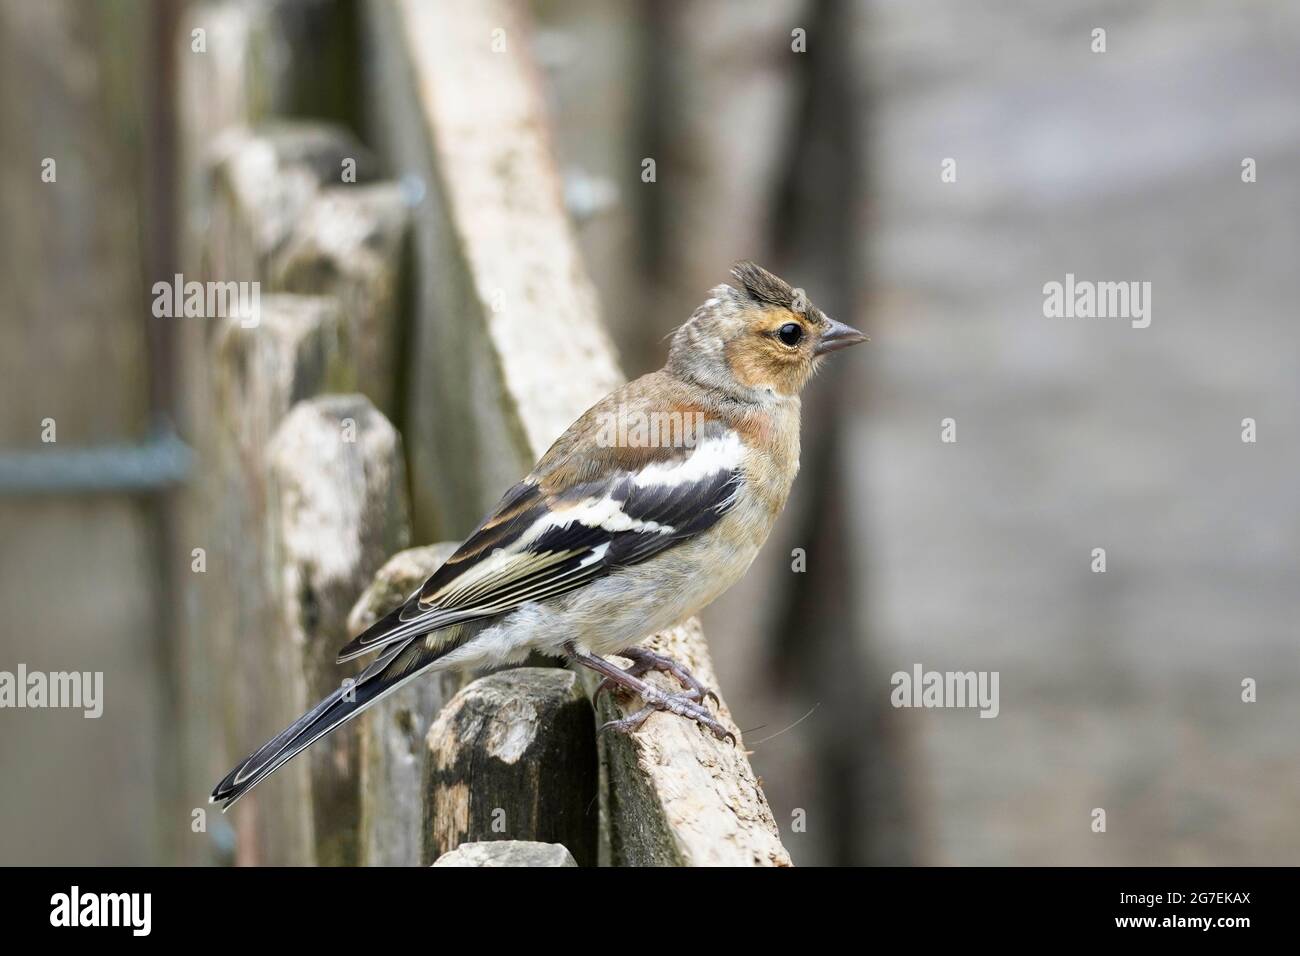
398,664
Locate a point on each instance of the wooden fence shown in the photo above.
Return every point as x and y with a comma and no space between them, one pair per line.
423,335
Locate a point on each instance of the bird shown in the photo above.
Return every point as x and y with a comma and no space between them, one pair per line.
648,507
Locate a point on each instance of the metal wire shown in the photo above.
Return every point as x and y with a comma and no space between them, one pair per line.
159,462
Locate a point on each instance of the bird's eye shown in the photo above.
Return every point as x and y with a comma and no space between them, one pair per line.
790,333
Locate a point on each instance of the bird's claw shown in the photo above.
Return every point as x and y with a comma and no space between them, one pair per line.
646,660
683,705
719,731
629,723
690,703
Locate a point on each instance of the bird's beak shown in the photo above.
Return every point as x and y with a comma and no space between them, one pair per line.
838,336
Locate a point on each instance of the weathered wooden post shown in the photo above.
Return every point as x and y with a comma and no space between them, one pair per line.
676,796
513,756
347,243
290,208
507,853
258,372
338,508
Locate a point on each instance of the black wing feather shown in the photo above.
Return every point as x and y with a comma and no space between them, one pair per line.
561,558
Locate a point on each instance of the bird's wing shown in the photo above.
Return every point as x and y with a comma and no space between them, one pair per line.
573,520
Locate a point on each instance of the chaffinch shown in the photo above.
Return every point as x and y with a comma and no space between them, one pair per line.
646,509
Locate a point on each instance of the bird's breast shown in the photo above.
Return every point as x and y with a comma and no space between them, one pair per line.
770,470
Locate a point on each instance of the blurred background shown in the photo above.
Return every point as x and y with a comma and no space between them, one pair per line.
812,138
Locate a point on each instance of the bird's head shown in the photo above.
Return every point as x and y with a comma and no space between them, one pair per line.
760,338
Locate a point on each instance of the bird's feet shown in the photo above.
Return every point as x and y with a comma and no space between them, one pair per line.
683,705
644,661
686,704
